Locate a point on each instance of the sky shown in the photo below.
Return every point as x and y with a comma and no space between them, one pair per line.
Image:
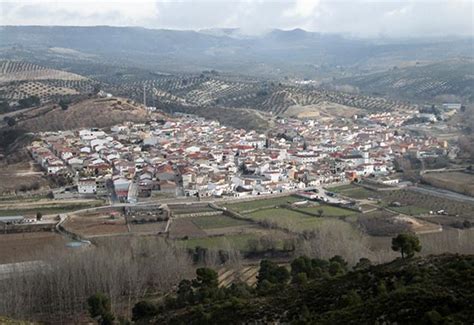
358,18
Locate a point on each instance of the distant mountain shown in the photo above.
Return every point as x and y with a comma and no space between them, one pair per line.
278,52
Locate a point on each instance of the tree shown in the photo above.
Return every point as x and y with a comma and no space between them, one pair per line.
207,284
185,293
406,244
271,272
143,310
64,104
99,307
39,216
29,102
320,212
96,89
10,121
300,265
206,278
363,264
4,106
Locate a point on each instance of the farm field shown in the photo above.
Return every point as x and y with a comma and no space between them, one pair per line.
410,210
28,246
341,188
429,202
18,70
91,226
387,223
148,228
449,240
46,207
219,221
287,219
263,203
359,193
239,242
454,181
329,211
185,228
187,209
15,177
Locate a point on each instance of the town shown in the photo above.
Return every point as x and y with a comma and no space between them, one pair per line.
237,162
191,156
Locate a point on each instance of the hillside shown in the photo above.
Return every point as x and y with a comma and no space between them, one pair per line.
84,113
21,79
429,290
446,81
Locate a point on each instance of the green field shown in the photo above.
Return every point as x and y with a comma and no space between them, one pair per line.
329,211
410,210
265,203
288,219
48,210
239,242
359,193
220,221
341,188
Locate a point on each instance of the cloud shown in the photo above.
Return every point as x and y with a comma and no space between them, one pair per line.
365,18
303,9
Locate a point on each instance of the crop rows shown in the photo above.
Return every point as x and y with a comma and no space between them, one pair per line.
45,89
280,100
18,66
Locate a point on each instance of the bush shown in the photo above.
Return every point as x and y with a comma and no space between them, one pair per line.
143,310
29,102
99,307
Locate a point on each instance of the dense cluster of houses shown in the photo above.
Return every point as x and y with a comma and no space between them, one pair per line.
187,155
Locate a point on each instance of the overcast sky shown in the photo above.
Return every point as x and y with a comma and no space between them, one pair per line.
361,18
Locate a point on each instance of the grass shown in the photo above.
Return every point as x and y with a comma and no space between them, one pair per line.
359,193
220,221
49,210
342,188
265,203
410,210
329,211
239,242
288,219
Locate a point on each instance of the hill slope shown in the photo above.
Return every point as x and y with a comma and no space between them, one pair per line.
448,79
85,113
429,290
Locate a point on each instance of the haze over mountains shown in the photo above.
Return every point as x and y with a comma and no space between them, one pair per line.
276,53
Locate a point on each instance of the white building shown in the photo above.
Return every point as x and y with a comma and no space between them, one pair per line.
87,186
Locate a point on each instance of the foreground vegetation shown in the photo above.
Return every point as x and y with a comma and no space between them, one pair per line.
430,290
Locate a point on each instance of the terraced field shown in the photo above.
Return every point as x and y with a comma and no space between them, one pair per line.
247,274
